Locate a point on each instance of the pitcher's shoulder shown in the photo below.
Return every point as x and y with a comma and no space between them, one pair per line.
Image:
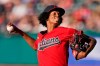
65,28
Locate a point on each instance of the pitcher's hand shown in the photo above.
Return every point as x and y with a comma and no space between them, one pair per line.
12,28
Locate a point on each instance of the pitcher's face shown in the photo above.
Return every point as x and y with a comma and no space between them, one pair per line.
54,17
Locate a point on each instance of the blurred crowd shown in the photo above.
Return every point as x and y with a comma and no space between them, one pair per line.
80,14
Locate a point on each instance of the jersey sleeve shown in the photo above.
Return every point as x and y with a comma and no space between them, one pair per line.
36,42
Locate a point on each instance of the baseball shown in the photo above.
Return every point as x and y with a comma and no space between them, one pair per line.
9,28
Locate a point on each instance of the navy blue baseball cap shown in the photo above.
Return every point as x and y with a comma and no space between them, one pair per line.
54,8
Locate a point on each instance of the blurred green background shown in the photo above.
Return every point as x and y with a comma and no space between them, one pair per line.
14,50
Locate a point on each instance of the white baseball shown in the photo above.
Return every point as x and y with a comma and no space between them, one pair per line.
10,28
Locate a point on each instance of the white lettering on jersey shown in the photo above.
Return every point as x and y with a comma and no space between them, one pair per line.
48,42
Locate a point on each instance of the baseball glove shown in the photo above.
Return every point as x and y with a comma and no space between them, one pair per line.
78,43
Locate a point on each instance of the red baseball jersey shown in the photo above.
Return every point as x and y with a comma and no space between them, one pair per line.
53,47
